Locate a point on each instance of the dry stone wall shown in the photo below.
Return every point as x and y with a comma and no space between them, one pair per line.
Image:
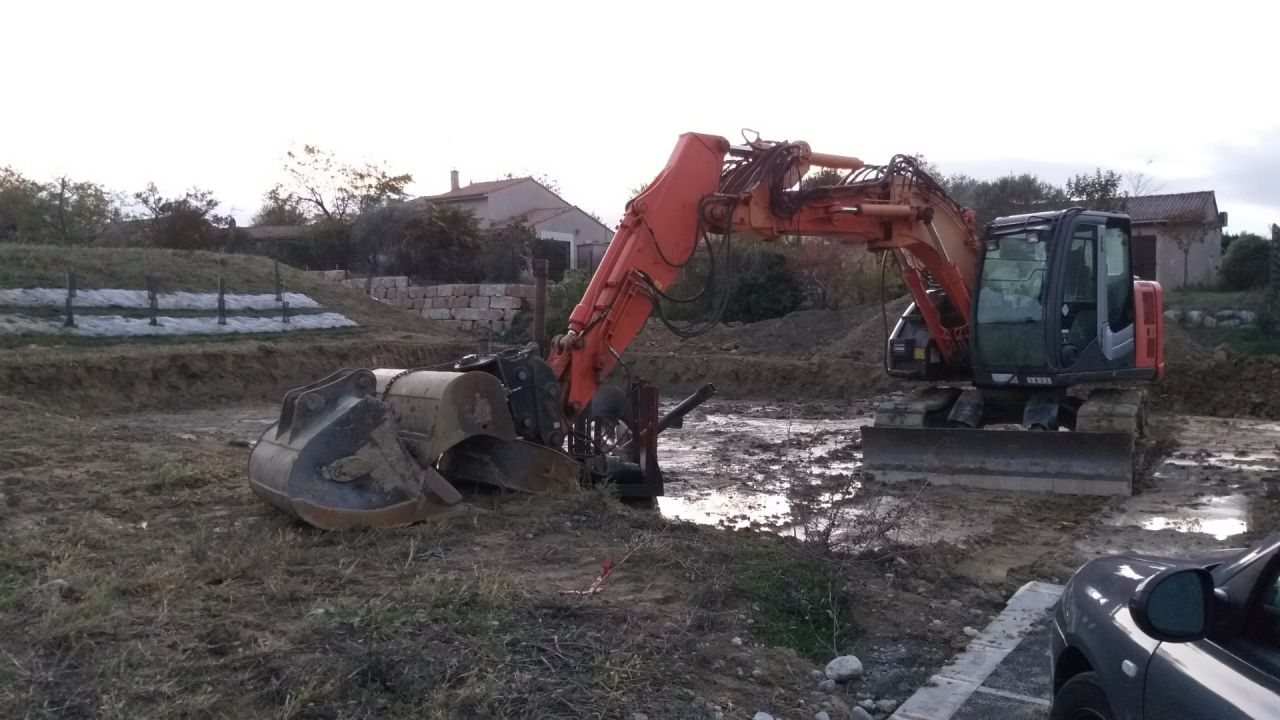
466,307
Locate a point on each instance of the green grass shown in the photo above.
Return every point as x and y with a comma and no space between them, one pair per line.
29,266
1212,300
1246,341
800,599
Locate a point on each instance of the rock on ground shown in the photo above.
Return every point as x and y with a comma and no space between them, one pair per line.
762,715
845,667
859,714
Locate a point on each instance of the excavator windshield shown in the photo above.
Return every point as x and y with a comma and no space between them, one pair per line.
1010,309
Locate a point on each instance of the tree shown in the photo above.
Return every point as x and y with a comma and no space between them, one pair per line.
1186,230
1008,195
186,222
1247,262
1138,183
279,209
1099,191
60,212
440,244
322,188
825,177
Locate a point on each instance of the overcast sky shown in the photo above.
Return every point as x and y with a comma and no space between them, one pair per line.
594,94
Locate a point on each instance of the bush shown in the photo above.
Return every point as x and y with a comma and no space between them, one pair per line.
1246,264
562,297
765,287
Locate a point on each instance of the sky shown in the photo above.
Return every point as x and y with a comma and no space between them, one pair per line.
594,94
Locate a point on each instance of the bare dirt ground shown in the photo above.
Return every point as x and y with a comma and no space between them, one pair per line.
139,577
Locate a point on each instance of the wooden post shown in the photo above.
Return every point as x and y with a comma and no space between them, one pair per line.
539,330
70,319
284,311
222,301
152,301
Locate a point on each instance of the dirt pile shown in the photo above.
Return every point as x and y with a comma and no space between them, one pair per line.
141,376
813,354
827,355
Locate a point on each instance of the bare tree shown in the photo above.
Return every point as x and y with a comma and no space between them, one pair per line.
329,190
1186,229
1138,184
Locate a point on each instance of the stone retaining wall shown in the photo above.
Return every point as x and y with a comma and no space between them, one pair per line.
466,307
1203,318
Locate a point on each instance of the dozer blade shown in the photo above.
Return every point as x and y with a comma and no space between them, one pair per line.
359,448
1083,463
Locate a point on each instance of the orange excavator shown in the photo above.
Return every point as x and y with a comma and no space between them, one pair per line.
1032,340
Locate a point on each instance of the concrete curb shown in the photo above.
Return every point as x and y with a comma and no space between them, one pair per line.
951,687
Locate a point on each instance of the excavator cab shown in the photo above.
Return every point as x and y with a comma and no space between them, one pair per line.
1054,306
1054,303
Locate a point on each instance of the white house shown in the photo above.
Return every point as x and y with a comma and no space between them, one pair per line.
1162,224
525,200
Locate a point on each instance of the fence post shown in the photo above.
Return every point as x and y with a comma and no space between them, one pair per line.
222,301
284,311
540,305
152,301
70,319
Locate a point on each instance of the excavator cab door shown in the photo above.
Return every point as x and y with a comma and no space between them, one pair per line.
1095,295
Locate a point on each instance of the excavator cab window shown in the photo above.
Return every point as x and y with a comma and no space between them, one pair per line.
1010,307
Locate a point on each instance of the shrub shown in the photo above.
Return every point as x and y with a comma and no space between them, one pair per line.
1246,264
562,297
765,287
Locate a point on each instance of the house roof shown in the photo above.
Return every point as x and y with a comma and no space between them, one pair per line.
1159,208
538,216
478,190
275,232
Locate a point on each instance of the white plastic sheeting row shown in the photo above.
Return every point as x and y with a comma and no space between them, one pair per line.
118,326
57,297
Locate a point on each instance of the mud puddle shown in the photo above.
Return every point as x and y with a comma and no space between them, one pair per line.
1209,486
739,464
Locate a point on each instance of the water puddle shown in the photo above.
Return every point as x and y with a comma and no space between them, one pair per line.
743,468
1205,486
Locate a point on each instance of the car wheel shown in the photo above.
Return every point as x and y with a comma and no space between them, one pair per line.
1081,698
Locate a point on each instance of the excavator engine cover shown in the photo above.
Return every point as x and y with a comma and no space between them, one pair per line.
363,448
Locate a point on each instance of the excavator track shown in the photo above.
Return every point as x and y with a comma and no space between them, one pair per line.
909,442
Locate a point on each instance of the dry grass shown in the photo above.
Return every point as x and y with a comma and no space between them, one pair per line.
139,578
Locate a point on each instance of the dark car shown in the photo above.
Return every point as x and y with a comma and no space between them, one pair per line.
1137,636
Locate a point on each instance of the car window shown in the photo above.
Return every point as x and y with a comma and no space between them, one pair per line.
1266,615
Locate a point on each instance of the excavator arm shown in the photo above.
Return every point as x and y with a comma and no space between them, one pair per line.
365,448
755,190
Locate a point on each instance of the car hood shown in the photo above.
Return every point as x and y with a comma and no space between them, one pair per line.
1116,576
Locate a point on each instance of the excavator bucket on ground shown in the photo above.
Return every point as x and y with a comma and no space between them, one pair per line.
388,447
